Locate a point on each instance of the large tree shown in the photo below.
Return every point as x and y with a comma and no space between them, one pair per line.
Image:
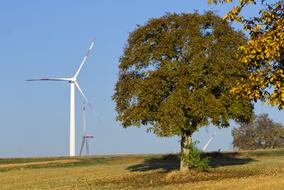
175,75
263,54
260,133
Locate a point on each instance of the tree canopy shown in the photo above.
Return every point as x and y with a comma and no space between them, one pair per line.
260,133
176,72
264,52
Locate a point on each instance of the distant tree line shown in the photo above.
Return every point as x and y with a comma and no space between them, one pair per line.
260,133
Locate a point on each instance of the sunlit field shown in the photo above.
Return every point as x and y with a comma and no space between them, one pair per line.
245,170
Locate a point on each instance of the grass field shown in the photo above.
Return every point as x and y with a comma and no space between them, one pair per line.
246,170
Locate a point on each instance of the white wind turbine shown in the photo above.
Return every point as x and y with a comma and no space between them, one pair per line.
73,82
209,141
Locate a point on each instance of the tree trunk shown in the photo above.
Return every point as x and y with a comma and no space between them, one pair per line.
185,142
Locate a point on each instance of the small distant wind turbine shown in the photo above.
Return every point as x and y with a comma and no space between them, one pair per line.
209,141
73,82
87,136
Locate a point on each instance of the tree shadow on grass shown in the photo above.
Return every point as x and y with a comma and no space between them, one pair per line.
171,162
165,162
218,159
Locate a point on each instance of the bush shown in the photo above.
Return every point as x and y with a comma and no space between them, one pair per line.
195,160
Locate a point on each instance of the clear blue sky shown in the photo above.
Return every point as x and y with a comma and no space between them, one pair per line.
49,39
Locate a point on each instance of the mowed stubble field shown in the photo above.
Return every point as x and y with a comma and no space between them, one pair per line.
246,170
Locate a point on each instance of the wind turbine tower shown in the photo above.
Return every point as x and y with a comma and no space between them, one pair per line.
73,84
86,136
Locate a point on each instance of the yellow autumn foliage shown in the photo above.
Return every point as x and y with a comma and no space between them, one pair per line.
264,52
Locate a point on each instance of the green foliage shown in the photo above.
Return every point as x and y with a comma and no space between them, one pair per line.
176,72
260,133
194,158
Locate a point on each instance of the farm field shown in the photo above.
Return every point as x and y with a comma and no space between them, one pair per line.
245,170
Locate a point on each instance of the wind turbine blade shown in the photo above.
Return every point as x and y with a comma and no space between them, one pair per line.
84,60
84,96
209,141
50,79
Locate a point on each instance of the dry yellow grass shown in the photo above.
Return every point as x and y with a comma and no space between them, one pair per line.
245,172
45,163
